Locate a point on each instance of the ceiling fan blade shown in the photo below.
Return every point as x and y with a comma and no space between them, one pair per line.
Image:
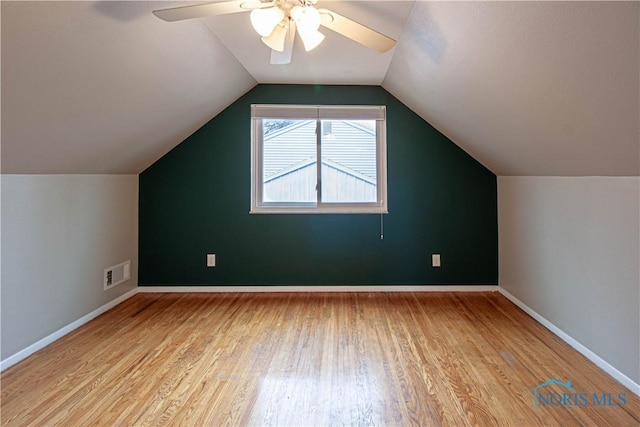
356,31
209,9
284,57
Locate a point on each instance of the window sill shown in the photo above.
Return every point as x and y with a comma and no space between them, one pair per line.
376,210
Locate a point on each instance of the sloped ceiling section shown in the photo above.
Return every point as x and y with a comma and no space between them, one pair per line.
106,87
527,88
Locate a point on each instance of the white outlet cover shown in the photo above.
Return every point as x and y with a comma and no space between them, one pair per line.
211,260
435,260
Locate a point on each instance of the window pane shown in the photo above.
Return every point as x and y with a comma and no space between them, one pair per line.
349,161
289,161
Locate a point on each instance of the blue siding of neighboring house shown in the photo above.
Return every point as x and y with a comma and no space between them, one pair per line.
296,143
339,184
288,146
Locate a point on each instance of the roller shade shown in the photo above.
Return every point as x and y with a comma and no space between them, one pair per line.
329,112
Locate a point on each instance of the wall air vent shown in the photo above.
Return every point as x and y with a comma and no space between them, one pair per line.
117,274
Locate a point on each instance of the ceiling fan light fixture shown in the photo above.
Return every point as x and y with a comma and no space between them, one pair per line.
307,18
277,38
264,21
311,39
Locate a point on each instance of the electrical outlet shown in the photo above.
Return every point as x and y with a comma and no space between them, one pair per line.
211,260
435,260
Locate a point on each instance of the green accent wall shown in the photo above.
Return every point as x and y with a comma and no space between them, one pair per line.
195,200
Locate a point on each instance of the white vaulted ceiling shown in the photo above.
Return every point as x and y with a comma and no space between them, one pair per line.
527,88
106,87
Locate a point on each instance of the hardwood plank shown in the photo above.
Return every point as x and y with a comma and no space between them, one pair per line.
308,359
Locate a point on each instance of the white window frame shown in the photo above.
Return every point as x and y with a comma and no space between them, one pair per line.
318,113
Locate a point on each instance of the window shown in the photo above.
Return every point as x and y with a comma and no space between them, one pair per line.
318,159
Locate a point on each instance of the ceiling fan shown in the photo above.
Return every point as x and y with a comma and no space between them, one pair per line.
277,21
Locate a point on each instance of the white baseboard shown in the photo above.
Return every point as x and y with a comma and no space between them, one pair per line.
599,361
23,354
375,288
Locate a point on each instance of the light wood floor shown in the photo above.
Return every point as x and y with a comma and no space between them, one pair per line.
395,359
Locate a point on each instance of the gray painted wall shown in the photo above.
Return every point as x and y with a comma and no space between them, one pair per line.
59,232
569,249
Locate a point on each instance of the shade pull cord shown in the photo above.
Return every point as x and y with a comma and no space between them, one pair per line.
381,226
